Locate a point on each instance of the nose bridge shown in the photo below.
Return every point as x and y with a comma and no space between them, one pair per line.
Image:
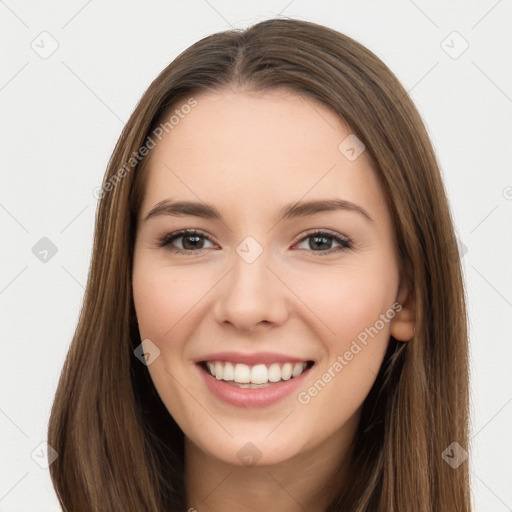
251,293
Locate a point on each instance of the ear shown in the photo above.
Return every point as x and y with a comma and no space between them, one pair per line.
403,323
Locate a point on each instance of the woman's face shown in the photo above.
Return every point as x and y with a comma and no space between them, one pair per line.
257,286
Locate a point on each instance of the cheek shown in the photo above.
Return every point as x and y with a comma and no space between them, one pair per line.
163,297
347,300
352,308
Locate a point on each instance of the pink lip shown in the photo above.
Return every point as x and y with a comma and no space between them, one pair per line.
245,397
250,359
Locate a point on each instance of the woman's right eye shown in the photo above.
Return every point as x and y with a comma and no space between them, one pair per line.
191,241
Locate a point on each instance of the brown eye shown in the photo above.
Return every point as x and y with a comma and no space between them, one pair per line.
191,241
322,242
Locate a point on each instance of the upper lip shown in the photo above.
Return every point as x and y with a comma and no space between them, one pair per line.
251,359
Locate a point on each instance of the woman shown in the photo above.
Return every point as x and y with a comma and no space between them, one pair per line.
275,314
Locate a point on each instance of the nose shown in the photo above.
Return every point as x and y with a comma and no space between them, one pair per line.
252,296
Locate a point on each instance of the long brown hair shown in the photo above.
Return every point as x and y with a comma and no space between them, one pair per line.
118,447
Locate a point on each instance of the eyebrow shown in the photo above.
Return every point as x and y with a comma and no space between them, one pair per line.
289,211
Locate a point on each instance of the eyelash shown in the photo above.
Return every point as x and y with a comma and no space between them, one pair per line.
345,242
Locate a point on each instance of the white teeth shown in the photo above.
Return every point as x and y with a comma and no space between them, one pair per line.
241,374
274,372
286,371
218,370
297,370
228,371
257,374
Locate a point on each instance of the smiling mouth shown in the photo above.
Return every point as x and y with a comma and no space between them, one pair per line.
254,376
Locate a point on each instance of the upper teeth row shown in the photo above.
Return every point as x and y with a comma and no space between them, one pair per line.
258,374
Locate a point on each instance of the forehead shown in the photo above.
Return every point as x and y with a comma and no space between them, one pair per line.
257,151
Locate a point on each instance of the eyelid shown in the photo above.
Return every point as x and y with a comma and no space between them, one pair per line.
323,231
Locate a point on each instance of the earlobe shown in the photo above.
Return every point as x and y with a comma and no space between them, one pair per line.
403,323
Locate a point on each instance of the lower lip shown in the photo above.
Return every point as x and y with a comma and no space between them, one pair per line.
245,397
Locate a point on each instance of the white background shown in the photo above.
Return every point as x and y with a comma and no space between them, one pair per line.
62,115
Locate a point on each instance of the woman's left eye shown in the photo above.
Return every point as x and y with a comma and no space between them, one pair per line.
320,241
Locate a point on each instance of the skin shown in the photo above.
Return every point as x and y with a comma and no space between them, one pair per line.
249,154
